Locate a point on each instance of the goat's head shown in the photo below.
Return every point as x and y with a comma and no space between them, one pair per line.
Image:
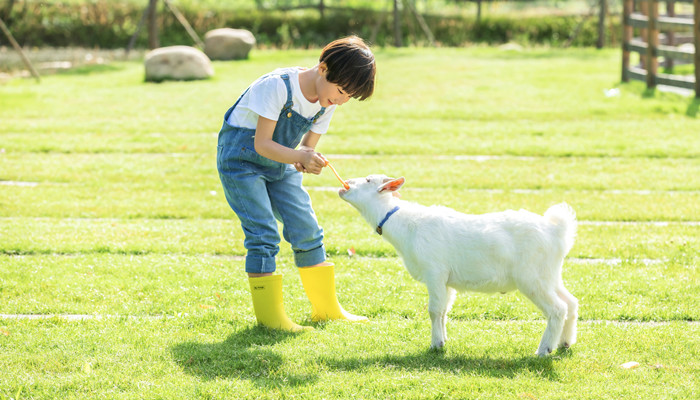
364,192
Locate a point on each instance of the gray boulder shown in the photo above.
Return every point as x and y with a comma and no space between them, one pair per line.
179,63
228,44
687,47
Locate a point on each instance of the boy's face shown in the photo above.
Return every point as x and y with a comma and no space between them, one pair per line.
329,93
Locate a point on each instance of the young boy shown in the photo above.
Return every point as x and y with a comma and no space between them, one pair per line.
260,168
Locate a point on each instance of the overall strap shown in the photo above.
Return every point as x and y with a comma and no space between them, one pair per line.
318,114
230,110
289,103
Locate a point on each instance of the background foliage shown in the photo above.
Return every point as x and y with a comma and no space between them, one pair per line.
108,24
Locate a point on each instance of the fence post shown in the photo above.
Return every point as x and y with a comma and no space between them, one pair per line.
602,12
696,33
652,43
398,41
152,17
644,32
627,31
670,35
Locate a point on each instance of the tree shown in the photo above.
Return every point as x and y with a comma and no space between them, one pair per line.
6,10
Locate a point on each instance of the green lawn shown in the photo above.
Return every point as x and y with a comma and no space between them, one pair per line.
111,211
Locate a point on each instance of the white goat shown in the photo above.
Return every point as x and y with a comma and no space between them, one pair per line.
496,252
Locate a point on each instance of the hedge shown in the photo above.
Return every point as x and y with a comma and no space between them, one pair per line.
111,25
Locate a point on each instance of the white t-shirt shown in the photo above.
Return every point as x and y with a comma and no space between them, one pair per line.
268,95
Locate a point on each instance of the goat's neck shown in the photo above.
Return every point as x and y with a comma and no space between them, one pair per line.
398,228
379,210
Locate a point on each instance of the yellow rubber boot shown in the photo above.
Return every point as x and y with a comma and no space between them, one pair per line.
267,302
319,284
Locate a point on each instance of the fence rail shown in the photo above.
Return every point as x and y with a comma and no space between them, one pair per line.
659,36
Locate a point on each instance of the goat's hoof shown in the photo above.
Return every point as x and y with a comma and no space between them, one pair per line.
437,350
437,346
565,344
543,352
568,343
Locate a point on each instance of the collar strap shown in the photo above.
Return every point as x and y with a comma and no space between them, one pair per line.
386,217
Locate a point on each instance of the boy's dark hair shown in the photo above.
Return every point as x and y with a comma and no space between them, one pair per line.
350,65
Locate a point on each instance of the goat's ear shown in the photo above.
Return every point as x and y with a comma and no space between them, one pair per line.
392,186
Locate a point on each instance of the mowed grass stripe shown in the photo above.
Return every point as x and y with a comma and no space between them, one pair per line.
183,201
377,135
335,189
99,317
595,240
475,113
198,171
224,358
171,284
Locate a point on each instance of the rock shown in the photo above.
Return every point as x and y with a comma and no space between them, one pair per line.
687,47
228,44
180,63
630,365
510,46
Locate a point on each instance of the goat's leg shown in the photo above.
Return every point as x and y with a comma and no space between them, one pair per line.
568,335
555,311
451,293
437,308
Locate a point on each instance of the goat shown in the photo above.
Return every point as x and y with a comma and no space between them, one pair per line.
449,251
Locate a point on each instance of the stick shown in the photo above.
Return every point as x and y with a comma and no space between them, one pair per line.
132,41
186,24
345,185
17,47
422,23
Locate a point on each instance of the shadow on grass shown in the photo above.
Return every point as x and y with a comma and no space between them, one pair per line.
243,355
649,93
89,69
248,355
507,368
693,107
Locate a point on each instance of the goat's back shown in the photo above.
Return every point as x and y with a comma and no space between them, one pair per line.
484,247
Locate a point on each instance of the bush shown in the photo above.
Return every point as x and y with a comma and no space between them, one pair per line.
111,24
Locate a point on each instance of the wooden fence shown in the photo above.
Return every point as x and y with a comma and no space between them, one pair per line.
660,36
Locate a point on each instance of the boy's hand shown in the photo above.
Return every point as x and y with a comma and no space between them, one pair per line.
312,162
315,163
299,165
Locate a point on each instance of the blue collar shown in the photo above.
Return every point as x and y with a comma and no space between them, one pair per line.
386,217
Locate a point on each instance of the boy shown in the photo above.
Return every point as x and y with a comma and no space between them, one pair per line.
260,168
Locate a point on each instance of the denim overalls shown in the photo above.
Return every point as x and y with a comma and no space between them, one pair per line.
261,191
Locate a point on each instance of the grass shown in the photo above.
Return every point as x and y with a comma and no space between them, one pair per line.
111,209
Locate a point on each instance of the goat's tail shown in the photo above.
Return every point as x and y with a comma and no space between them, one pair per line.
564,217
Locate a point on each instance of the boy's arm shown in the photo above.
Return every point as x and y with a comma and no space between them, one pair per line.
309,141
308,144
266,147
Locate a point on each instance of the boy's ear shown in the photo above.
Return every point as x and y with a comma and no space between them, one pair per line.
322,68
392,185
